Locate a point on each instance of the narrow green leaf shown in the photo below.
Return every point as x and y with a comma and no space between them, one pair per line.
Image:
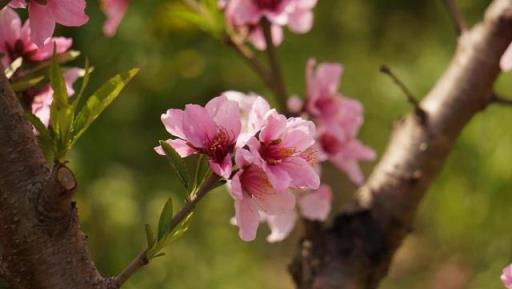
150,236
85,82
44,137
60,93
25,84
201,172
164,224
99,101
159,255
177,163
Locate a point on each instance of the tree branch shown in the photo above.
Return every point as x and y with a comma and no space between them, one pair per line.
355,252
498,99
277,74
142,259
456,16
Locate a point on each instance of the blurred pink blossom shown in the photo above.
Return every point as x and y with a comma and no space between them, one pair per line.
15,40
338,118
114,10
506,59
44,16
506,277
212,130
43,98
246,15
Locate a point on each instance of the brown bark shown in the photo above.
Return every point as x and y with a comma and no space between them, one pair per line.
40,238
356,250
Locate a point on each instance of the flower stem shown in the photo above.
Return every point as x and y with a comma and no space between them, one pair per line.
279,85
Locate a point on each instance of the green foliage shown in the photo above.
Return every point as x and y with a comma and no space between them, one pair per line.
204,14
164,224
67,120
177,164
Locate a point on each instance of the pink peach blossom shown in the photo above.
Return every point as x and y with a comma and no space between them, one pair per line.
506,277
114,10
255,195
282,148
44,16
15,40
212,130
43,98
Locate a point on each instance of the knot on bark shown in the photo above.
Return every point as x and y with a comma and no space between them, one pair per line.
53,204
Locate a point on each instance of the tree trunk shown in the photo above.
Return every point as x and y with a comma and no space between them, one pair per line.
355,252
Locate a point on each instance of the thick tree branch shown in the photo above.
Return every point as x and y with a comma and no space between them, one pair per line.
356,251
41,243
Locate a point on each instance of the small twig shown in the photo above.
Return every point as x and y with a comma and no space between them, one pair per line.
410,97
249,58
456,16
279,85
142,259
495,98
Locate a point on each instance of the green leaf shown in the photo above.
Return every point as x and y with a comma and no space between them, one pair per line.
202,170
164,224
85,82
177,163
150,236
60,93
99,101
44,137
25,84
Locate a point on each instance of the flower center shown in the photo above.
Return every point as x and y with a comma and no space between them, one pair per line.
255,182
273,153
268,4
220,146
330,144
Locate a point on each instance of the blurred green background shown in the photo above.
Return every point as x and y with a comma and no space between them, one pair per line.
462,237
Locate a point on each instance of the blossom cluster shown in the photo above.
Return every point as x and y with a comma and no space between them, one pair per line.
263,154
245,17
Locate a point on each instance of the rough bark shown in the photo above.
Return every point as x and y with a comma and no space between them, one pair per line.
357,249
40,239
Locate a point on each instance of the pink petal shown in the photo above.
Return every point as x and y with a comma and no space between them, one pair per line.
280,226
275,203
242,12
10,28
18,4
257,114
226,114
180,146
41,105
299,138
349,167
42,23
506,277
247,219
243,158
274,126
223,169
70,76
235,187
316,205
295,104
115,10
302,174
198,126
279,177
300,20
68,12
173,122
506,59
61,45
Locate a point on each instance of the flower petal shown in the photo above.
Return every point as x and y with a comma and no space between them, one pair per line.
10,28
114,10
68,12
198,126
173,122
180,146
316,205
223,169
45,52
302,174
273,127
226,114
42,23
247,219
280,226
275,203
